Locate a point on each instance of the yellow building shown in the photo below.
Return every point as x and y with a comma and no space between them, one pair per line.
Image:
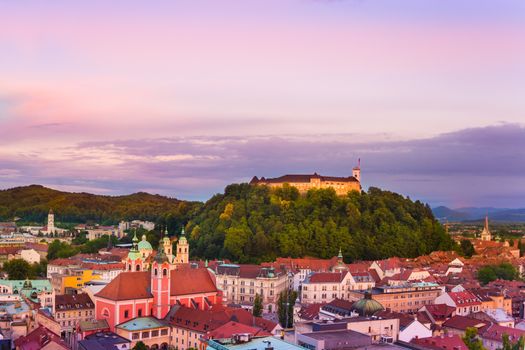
304,183
75,279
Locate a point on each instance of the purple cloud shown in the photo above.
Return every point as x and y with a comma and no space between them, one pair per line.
478,166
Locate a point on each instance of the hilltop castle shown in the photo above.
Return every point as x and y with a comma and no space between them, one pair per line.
304,183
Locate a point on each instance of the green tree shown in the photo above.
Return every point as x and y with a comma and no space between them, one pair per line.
472,340
18,269
508,345
491,273
257,306
467,248
58,249
285,305
140,346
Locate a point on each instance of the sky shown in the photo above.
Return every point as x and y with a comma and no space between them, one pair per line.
182,98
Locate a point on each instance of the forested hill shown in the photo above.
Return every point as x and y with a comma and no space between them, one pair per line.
32,204
254,223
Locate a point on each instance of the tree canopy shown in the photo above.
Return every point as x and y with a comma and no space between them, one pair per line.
255,223
32,204
491,273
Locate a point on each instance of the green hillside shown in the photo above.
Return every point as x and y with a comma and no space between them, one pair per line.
254,223
32,203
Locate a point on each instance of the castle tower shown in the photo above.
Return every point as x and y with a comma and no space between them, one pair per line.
183,249
485,234
50,222
356,171
160,284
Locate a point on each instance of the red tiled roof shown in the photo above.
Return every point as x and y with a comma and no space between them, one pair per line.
73,301
440,312
39,247
464,298
208,320
127,286
308,263
327,277
445,342
462,322
231,328
39,338
495,332
311,311
187,281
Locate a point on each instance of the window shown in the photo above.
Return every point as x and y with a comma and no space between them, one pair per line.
135,336
164,331
145,335
164,272
140,312
126,314
155,272
155,333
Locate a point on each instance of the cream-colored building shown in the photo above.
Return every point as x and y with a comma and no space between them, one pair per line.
70,309
30,255
406,298
149,330
304,183
323,287
241,283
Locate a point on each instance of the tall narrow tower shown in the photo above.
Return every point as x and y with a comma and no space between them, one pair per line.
485,234
356,171
160,284
50,222
183,249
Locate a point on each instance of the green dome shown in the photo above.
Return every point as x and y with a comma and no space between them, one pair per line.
144,244
367,306
134,255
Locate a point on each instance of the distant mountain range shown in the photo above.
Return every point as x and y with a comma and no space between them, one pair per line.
443,213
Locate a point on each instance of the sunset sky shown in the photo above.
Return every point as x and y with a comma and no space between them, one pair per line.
184,97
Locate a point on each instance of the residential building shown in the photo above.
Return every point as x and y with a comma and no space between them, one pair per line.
104,341
153,332
72,281
71,309
190,326
41,338
465,302
408,298
334,340
262,343
241,283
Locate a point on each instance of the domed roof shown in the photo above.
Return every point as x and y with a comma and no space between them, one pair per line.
367,306
144,244
161,257
134,255
182,238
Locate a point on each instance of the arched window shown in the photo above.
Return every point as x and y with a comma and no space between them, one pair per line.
155,272
137,268
164,272
105,312
129,267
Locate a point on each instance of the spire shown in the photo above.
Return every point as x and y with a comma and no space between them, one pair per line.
486,222
182,232
340,255
135,240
